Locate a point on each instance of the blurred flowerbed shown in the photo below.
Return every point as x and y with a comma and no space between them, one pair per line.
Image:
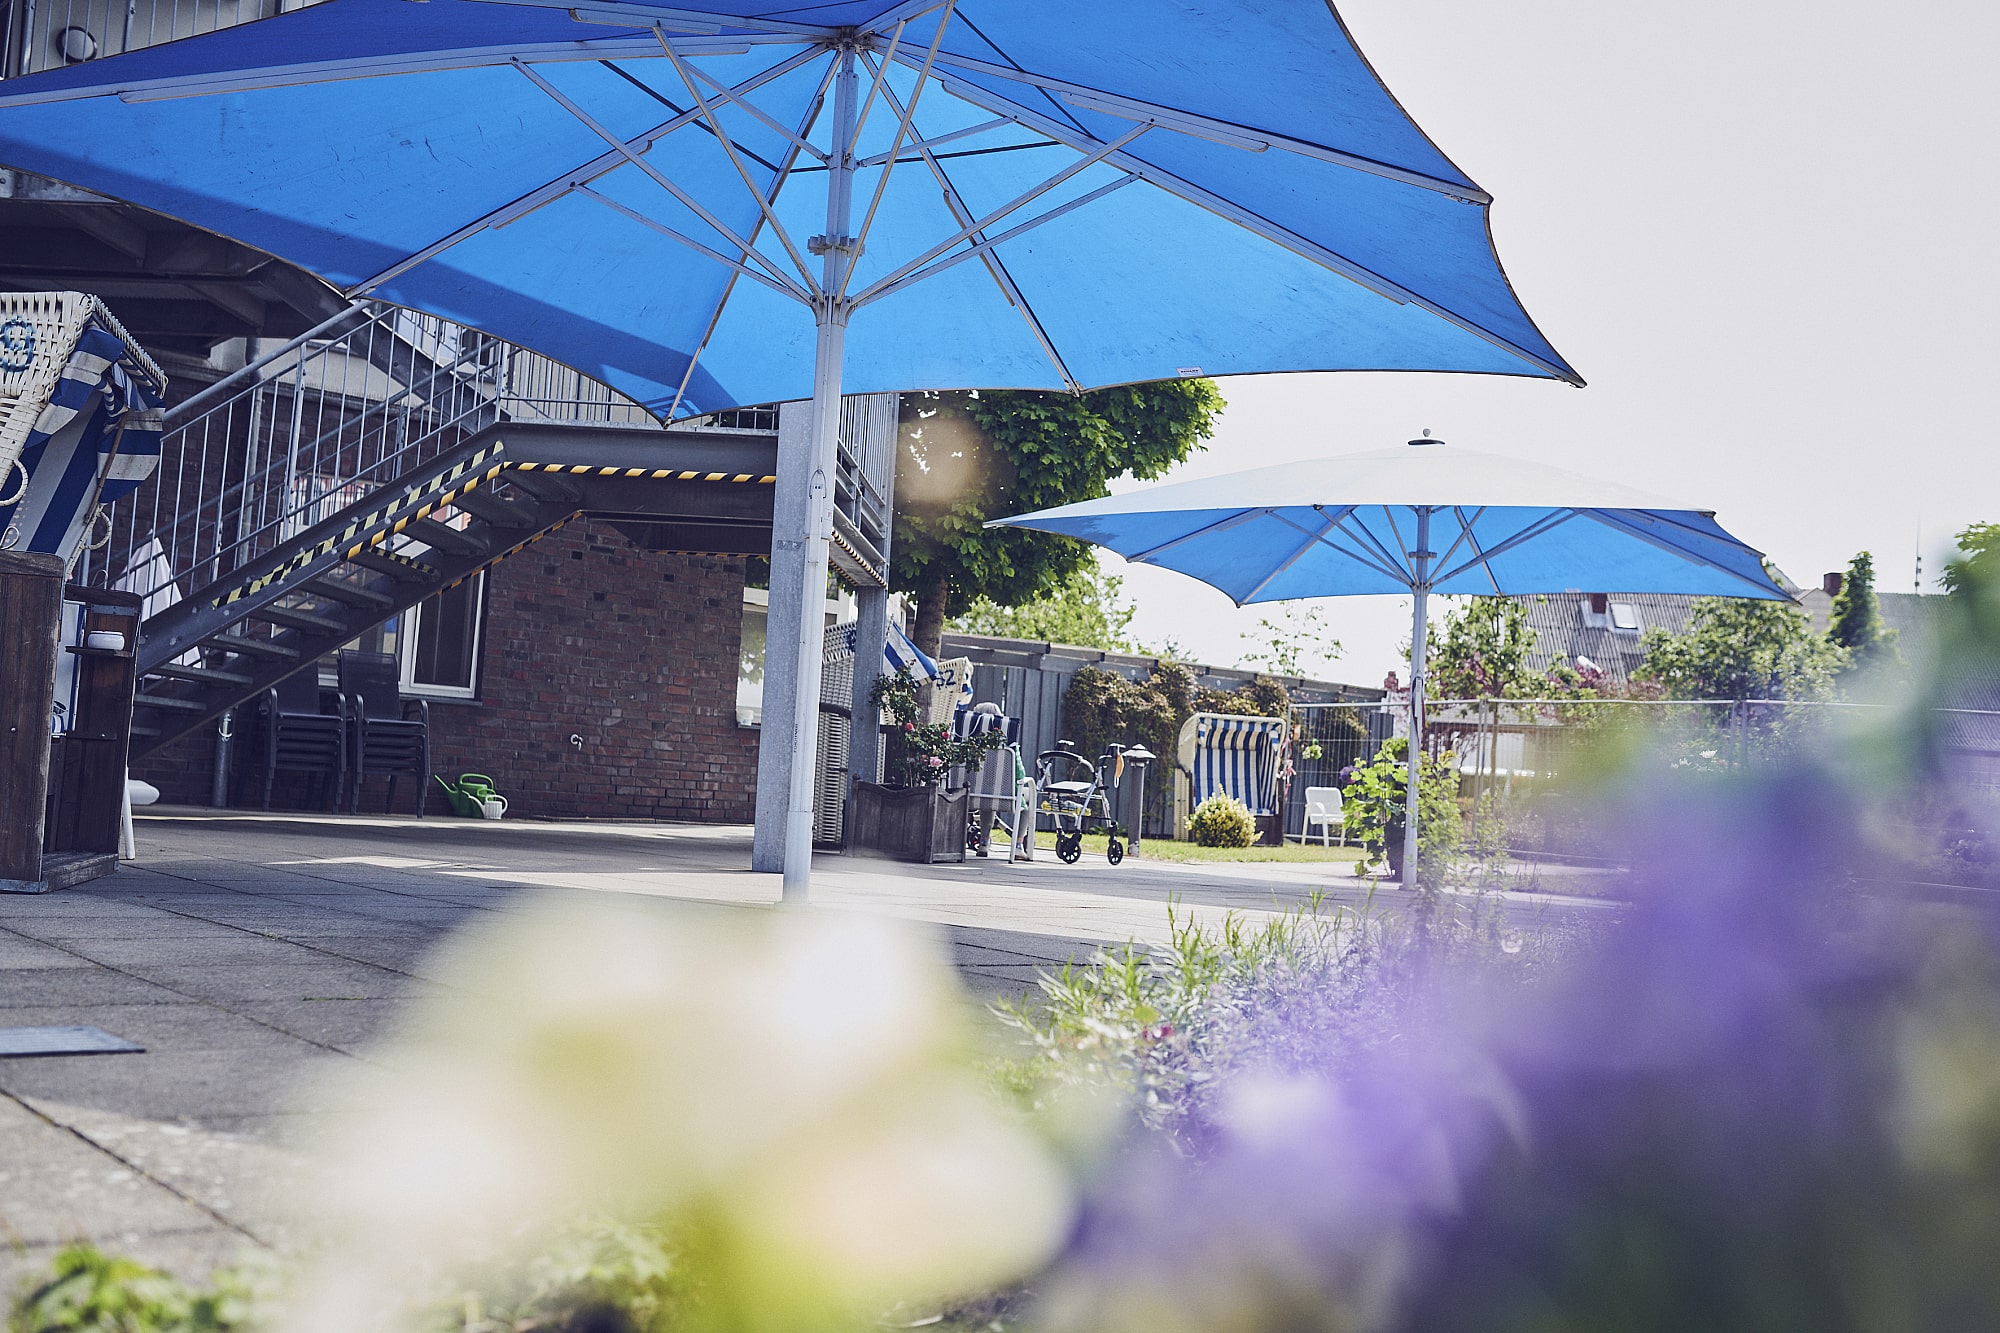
1765,1096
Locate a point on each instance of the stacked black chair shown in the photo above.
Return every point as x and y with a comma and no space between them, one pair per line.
298,736
383,739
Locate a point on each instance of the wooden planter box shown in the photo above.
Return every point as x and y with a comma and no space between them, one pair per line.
922,824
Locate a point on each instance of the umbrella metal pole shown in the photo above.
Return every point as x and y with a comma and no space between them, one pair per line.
830,348
1419,629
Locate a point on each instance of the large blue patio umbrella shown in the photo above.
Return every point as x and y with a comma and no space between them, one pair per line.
733,202
1425,518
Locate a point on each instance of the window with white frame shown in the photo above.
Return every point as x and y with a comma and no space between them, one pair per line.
440,641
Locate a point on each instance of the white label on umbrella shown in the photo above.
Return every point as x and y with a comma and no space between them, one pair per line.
1187,372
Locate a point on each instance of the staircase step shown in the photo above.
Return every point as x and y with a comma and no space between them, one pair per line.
202,675
543,485
144,733
168,702
293,618
340,590
501,513
433,533
246,647
395,566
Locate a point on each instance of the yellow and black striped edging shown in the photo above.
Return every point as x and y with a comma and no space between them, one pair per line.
375,527
651,474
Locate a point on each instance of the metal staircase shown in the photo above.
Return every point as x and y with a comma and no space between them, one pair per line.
342,478
437,526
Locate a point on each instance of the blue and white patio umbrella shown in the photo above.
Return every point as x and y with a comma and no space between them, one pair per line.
731,202
1422,519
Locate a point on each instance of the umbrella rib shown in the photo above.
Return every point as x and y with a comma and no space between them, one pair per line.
1379,560
1395,530
692,244
1464,535
899,15
896,145
1209,127
936,140
1019,201
1284,237
695,21
1610,519
735,160
806,122
1470,538
984,247
1312,538
550,191
1363,537
1539,527
659,178
1235,520
744,104
996,267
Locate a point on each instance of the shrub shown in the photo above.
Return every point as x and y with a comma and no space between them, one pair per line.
1222,821
1372,800
88,1291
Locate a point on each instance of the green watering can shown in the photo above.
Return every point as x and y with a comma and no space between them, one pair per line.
471,794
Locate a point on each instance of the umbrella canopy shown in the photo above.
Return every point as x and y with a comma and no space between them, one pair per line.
1142,188
1425,518
1348,525
731,202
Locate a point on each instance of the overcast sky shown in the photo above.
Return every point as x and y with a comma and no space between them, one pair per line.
1764,232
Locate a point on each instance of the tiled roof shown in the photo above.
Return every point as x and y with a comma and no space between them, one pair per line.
1565,628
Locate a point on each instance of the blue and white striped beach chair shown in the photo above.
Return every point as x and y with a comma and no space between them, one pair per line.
1235,755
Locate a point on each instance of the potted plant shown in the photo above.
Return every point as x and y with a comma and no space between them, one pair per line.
914,815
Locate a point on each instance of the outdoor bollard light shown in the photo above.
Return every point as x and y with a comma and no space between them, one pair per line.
1138,756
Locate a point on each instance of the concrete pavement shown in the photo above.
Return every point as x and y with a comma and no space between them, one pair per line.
252,954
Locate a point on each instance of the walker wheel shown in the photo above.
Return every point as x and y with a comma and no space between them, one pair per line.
1114,851
1069,848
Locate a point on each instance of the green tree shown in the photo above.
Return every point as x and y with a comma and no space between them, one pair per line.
967,457
1979,556
1857,620
1087,609
1483,652
1741,649
1296,643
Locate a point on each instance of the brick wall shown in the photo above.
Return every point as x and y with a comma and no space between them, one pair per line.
634,652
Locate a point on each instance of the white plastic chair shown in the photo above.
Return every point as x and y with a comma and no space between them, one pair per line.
1323,808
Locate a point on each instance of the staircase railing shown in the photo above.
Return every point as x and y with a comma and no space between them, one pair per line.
315,426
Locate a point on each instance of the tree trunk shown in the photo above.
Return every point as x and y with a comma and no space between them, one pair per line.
930,633
930,618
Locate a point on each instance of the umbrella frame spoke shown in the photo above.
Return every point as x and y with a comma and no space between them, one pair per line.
736,161
661,179
567,183
1281,236
996,267
1378,560
1540,526
814,106
1199,126
1018,202
880,83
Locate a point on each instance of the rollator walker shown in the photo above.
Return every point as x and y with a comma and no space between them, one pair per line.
1075,795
